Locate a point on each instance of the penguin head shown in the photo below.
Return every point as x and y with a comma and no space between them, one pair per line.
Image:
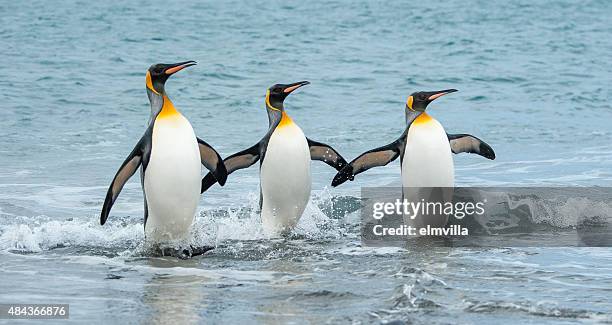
276,94
159,73
419,100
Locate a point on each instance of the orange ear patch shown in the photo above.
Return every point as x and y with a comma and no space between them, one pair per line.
268,101
409,102
150,83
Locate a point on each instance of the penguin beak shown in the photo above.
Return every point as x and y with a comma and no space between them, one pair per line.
290,88
174,68
437,94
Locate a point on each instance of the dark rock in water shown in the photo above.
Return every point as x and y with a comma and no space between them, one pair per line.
183,253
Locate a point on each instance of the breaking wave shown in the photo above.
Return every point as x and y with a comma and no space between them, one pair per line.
326,217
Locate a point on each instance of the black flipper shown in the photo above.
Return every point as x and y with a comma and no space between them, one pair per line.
239,160
212,161
373,158
127,169
146,210
144,196
260,198
471,144
325,153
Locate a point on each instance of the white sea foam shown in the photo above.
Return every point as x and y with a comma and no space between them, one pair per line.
42,233
214,226
355,249
211,227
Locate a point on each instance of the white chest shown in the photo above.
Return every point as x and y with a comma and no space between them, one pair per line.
285,179
174,139
428,160
172,178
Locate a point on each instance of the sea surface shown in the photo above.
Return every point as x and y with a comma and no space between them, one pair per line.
534,82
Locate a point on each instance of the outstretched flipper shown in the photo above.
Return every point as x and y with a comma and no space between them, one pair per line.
373,158
325,153
127,169
240,160
471,144
212,161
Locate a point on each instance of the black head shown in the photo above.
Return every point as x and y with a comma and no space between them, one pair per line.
159,73
418,101
277,94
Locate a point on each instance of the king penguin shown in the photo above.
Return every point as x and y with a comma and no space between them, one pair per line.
170,157
424,148
284,154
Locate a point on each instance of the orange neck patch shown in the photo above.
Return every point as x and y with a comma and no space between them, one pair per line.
423,118
168,109
285,120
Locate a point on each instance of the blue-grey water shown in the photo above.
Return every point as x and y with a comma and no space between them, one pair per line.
534,81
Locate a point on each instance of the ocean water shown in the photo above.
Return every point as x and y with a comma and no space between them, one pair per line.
534,81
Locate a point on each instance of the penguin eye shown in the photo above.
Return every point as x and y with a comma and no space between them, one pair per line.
157,70
422,96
